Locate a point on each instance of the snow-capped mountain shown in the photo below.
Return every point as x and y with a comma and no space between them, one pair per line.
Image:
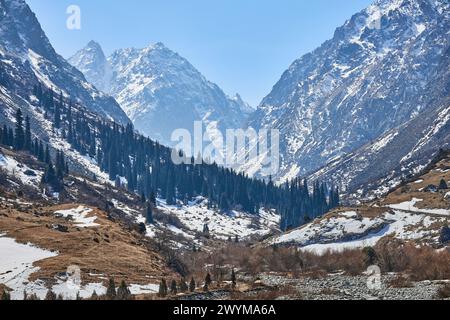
28,58
94,66
160,90
377,73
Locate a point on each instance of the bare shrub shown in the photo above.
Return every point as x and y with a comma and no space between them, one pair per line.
401,281
422,263
168,219
268,294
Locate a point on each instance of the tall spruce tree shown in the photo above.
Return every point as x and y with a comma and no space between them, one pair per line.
111,290
19,135
162,288
149,213
27,145
192,285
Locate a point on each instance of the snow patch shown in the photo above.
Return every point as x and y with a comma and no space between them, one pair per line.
17,265
80,216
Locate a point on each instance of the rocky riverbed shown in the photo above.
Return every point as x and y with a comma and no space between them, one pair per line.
343,287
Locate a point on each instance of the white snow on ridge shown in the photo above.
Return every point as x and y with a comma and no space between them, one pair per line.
16,265
410,206
80,216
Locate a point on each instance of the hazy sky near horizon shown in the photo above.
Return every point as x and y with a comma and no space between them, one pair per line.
242,45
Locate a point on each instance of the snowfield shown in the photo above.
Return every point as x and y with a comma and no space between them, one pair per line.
81,216
16,266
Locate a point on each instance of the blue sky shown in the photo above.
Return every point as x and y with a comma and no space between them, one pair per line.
242,45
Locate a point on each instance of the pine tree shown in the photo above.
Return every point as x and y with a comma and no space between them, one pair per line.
206,230
5,138
443,185
27,134
233,279
47,158
444,236
57,117
94,295
208,282
5,295
183,286
111,290
162,288
192,285
41,154
11,138
19,136
152,199
50,295
173,288
149,213
123,293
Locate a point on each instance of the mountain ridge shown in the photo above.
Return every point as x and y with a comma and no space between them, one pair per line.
155,81
370,78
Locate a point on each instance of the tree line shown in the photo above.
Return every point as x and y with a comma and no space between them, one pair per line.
20,139
144,167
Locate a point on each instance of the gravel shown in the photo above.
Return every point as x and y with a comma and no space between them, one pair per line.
343,287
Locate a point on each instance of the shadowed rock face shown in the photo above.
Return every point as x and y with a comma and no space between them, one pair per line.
160,90
29,58
378,73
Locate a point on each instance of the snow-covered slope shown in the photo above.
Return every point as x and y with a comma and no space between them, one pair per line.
160,90
16,265
413,212
27,58
383,67
350,231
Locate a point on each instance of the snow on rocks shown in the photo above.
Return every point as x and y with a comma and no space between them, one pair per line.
16,266
196,214
81,216
25,174
222,225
